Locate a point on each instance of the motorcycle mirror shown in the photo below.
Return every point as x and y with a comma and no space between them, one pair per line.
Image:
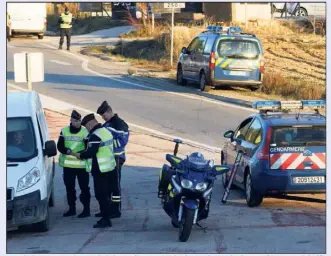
220,169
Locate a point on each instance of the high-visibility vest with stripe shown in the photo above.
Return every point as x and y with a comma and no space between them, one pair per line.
105,155
67,19
75,142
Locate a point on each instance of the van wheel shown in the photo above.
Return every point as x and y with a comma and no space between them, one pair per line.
253,198
180,76
44,225
203,86
40,36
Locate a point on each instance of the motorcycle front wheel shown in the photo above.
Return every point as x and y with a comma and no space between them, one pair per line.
186,224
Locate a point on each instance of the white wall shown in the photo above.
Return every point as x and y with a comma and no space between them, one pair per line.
261,11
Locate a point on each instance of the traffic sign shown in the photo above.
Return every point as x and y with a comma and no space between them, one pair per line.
174,5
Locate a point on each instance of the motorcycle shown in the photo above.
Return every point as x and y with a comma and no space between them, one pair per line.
185,189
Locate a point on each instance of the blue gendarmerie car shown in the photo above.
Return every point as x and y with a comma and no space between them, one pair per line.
283,150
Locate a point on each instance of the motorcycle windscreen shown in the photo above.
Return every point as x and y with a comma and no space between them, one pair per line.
298,148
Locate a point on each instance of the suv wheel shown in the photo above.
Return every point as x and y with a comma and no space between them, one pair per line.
203,83
253,198
180,79
254,88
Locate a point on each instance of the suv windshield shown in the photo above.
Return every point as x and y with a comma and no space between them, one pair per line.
21,142
241,49
299,136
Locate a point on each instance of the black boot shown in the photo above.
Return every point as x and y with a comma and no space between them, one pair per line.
98,215
70,212
60,47
68,48
85,213
103,223
115,215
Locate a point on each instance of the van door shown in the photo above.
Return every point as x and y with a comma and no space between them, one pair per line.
198,58
47,161
238,60
188,61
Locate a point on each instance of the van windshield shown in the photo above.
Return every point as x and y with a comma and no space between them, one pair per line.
21,141
241,49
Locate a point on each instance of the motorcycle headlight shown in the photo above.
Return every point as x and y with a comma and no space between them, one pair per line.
201,186
28,180
186,184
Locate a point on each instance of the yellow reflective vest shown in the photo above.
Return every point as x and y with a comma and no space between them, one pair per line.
67,19
75,142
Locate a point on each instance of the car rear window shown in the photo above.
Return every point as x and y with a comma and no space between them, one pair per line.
238,49
298,136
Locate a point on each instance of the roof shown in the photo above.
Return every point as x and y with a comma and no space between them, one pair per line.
282,119
21,104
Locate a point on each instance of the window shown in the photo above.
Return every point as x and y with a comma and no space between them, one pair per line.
200,45
238,49
242,129
21,142
254,132
209,45
193,44
299,136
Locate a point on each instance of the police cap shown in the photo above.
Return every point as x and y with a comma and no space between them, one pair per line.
103,108
75,115
88,118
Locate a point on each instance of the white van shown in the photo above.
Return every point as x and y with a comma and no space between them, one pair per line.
30,163
28,18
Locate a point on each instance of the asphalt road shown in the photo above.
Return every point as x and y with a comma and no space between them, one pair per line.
173,114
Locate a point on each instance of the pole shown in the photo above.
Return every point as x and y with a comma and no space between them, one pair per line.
28,71
246,24
152,22
172,36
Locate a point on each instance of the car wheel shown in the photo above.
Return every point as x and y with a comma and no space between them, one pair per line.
180,75
302,12
40,36
203,83
253,198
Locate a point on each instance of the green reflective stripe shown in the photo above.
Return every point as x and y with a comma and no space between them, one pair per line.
71,162
119,143
106,143
116,200
115,143
73,138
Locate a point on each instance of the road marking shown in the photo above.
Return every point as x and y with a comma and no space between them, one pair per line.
86,68
155,132
61,62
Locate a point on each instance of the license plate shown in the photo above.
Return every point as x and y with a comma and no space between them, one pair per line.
235,73
309,180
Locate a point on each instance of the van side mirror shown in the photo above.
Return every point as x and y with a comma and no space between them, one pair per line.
50,148
228,134
184,50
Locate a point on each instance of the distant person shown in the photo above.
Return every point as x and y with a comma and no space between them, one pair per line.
65,22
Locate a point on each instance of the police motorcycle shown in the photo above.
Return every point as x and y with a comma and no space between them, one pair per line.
185,189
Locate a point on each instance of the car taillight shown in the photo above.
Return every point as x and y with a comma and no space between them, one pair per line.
261,65
212,60
263,154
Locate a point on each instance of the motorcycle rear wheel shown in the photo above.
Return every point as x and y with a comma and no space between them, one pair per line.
186,224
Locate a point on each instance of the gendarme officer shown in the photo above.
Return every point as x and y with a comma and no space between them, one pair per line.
73,140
